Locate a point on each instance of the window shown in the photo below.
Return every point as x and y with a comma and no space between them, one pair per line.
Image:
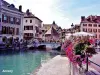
3,30
98,30
5,17
84,24
17,31
90,25
31,28
18,21
30,21
30,34
94,30
28,27
89,30
26,21
96,36
85,30
95,25
12,19
0,18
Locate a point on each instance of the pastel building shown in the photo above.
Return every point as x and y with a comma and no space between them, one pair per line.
91,24
10,20
32,26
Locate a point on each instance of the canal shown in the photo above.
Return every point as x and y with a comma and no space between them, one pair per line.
22,63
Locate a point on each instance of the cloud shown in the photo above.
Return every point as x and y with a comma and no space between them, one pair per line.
64,12
47,10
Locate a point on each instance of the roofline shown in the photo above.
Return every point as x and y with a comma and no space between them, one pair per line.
33,17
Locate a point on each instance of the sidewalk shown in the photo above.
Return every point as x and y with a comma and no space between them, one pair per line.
57,66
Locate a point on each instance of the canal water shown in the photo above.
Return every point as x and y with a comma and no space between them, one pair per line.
22,63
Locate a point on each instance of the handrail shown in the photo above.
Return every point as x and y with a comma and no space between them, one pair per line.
94,63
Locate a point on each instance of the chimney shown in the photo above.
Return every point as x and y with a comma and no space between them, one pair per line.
20,8
82,18
27,11
53,23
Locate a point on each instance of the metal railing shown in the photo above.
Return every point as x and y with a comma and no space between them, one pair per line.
94,63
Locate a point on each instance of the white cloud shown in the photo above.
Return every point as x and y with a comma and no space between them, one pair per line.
46,10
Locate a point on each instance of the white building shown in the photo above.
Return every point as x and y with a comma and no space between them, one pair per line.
11,20
32,25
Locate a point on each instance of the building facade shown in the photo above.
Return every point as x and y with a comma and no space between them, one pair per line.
48,26
32,26
11,20
74,29
91,24
52,35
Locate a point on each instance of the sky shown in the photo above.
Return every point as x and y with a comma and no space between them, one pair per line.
63,12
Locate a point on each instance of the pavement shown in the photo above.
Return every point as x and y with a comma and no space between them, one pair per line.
95,59
59,65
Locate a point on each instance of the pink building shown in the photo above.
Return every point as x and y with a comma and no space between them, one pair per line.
91,24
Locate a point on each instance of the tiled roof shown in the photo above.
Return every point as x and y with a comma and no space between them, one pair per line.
90,19
30,15
49,24
10,6
52,31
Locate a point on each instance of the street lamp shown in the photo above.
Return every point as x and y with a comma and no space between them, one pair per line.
72,25
70,66
73,70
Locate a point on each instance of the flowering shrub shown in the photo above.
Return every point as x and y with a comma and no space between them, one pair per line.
78,49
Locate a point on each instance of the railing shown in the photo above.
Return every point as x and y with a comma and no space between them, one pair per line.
82,70
94,63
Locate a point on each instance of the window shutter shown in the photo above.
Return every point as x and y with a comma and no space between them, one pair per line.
2,18
14,20
7,19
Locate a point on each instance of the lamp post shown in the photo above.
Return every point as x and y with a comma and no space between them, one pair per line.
72,25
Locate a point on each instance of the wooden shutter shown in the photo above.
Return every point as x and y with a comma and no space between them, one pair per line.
2,18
